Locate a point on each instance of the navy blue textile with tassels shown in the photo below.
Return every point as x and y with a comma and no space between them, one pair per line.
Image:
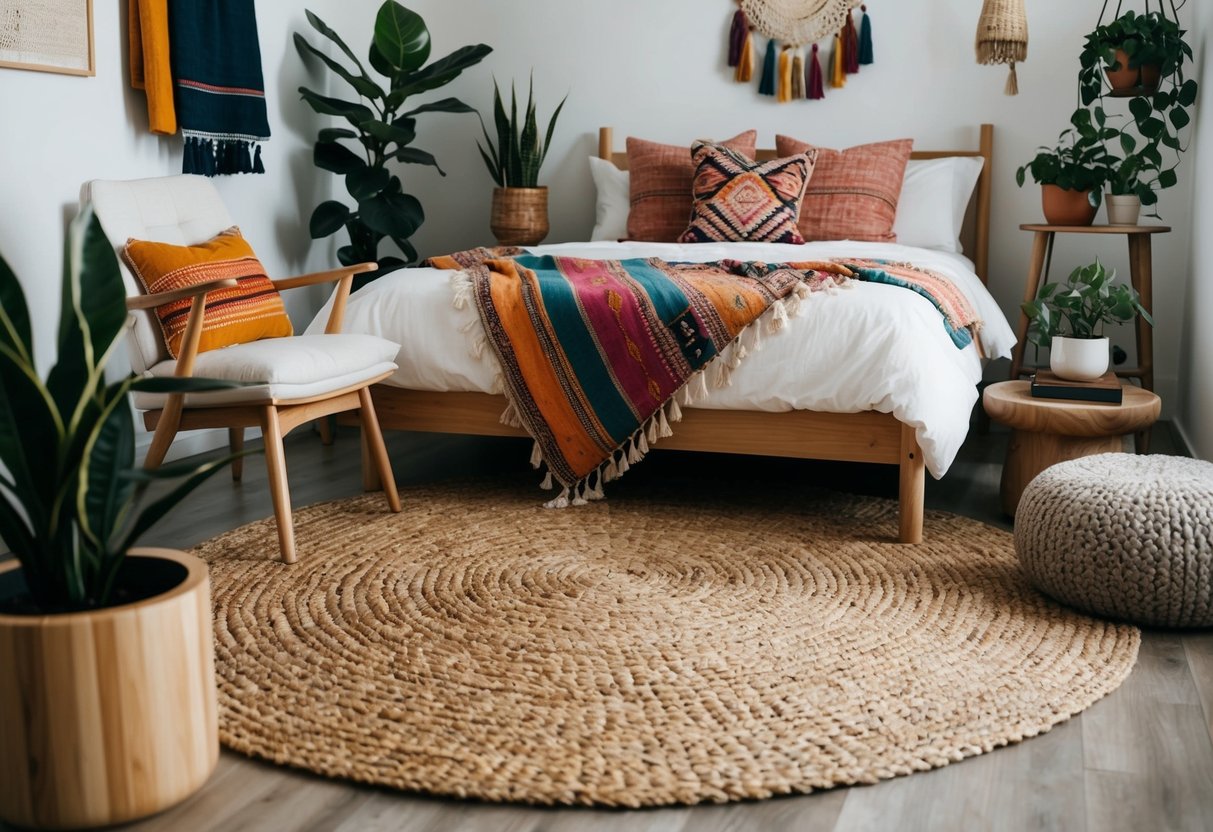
219,91
865,38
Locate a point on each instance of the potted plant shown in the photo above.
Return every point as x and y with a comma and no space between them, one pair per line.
1071,176
380,132
1129,188
1068,319
520,205
1133,52
107,699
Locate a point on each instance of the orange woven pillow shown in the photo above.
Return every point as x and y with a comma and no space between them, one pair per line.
853,194
249,311
661,176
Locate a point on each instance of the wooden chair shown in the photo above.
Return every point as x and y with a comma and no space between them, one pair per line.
293,380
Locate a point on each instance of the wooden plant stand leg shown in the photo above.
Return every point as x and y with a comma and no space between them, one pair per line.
912,487
375,452
235,442
1029,453
275,463
1042,244
1141,275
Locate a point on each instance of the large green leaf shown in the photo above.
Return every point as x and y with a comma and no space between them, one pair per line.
401,37
337,158
439,73
332,134
393,215
413,156
323,28
401,135
351,111
328,218
445,105
365,183
156,510
31,432
14,314
547,141
103,493
363,86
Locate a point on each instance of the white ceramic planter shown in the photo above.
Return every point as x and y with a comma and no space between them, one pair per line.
1123,209
1079,359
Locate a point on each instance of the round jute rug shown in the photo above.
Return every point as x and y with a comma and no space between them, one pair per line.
661,647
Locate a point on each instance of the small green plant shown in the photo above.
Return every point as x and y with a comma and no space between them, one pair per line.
1075,163
1081,306
381,132
69,489
514,161
1156,117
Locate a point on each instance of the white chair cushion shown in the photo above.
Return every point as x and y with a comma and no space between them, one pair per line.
284,368
182,210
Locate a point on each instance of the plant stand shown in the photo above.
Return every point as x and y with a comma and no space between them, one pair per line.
1141,276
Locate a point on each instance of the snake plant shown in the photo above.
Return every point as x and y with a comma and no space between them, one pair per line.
69,489
514,161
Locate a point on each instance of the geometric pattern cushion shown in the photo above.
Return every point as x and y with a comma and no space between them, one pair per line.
739,200
854,192
249,311
660,186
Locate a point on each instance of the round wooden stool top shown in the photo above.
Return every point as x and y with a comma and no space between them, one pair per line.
1011,403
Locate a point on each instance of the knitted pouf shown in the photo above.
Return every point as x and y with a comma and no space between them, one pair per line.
1123,536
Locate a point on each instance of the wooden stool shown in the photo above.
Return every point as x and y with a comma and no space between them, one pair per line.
1048,431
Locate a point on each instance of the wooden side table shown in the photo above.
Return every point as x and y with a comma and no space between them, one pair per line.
1049,431
1141,276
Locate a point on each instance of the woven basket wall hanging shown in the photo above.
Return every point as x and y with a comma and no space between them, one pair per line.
1002,37
791,65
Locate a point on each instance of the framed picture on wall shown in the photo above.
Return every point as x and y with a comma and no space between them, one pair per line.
47,36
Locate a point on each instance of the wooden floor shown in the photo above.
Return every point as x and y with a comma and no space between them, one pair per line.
1140,760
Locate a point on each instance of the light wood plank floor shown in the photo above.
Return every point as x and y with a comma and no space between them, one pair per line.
1140,760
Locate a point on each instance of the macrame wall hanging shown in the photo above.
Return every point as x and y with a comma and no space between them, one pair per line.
1002,37
792,63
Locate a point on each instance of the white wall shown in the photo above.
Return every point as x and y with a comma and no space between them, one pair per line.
1196,365
657,70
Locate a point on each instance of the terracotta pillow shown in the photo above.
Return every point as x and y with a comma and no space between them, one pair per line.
738,200
853,193
249,311
660,186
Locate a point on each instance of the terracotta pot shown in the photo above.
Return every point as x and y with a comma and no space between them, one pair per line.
520,216
1066,207
1078,359
1123,209
109,715
1126,82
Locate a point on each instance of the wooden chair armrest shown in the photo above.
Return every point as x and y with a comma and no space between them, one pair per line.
345,281
323,277
161,298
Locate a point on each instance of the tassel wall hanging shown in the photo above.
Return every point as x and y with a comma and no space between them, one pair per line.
792,66
1002,37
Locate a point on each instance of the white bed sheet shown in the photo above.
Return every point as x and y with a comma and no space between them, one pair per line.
867,347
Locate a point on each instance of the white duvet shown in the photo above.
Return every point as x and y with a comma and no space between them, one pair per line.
867,347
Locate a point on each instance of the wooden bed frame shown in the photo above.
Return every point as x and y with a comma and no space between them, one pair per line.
849,437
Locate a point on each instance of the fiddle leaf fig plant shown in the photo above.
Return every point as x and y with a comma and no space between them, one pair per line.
381,131
1081,306
69,489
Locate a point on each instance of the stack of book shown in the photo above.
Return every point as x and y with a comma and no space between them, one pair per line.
1106,389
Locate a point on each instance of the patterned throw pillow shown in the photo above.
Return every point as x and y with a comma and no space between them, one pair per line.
660,186
249,311
738,200
854,192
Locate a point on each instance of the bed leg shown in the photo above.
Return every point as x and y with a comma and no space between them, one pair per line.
912,486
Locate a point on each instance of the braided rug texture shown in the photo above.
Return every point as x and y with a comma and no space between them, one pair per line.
663,647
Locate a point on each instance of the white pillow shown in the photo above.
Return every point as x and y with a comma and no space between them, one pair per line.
614,200
934,197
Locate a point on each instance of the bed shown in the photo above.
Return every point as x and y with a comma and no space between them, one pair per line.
867,374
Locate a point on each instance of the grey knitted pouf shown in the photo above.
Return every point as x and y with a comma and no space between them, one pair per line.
1123,536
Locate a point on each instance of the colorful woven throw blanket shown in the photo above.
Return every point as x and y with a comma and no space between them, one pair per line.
220,94
960,319
597,355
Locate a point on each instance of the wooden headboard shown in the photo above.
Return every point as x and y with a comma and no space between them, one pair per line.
974,235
